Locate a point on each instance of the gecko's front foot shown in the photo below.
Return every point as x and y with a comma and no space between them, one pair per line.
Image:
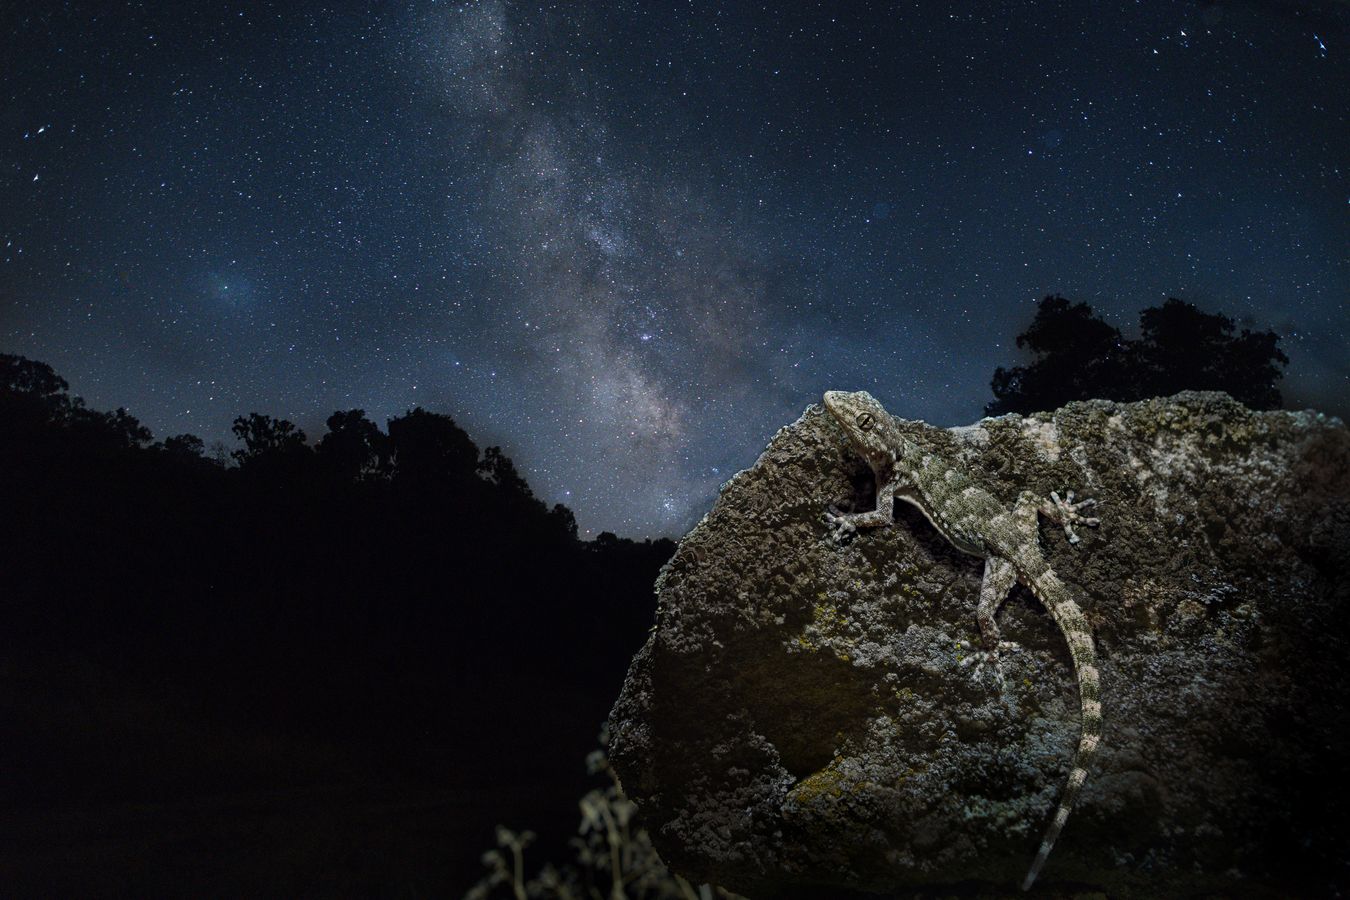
989,657
1066,513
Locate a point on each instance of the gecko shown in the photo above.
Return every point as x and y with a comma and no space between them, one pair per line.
974,521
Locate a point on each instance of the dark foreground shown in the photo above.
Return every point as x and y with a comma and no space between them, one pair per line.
328,668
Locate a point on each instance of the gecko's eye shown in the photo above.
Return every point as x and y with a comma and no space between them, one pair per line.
864,421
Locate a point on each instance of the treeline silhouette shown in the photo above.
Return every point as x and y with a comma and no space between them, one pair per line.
1081,357
396,594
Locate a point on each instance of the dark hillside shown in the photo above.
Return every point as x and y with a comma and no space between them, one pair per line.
333,664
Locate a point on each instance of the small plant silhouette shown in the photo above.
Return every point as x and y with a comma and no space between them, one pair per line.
615,860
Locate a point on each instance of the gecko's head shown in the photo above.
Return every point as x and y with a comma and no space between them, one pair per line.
870,428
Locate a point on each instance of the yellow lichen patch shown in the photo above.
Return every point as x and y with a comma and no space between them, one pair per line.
827,619
826,783
828,628
830,785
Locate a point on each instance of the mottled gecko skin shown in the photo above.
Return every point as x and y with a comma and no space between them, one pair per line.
975,522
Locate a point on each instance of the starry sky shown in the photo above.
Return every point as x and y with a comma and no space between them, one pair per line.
629,241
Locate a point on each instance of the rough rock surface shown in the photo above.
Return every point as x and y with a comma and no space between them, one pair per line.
800,724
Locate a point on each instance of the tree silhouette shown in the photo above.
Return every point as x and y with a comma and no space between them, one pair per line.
1080,357
21,375
354,447
427,446
111,430
497,468
31,394
33,399
184,446
566,521
273,447
1182,348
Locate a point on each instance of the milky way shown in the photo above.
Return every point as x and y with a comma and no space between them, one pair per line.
627,243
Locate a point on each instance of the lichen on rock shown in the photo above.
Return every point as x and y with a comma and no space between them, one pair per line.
800,722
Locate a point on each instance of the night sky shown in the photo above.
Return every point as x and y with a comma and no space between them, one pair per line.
628,242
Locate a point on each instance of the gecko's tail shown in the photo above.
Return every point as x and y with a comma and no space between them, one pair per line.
1074,625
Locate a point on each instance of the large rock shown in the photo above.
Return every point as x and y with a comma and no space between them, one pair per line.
800,723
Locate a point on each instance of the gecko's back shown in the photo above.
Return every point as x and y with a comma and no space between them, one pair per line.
972,519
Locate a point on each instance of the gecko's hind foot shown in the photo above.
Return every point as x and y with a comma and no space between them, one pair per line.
1067,514
988,657
839,525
